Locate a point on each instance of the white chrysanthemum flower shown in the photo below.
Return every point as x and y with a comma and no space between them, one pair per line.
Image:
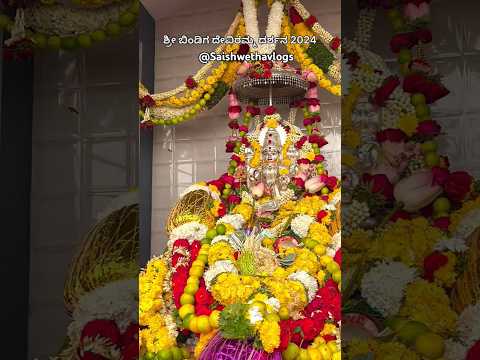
254,315
190,231
308,281
384,285
468,224
222,266
454,350
300,225
220,238
454,244
335,244
103,303
274,303
468,325
236,220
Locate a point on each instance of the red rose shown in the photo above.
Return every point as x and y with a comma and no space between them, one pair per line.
194,250
106,329
442,223
335,43
270,110
234,199
253,110
413,82
312,20
180,243
303,161
222,210
423,35
295,17
88,355
310,329
130,334
434,91
440,175
243,49
190,82
227,179
203,297
432,263
312,101
319,158
331,182
285,334
474,352
298,182
317,139
230,146
383,93
243,128
308,121
202,310
217,183
147,101
379,183
402,41
338,257
393,135
300,142
458,185
400,214
321,214
130,351
429,128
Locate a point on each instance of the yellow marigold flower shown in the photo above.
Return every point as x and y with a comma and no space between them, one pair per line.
349,160
394,351
287,162
269,335
351,138
408,124
428,303
220,251
283,171
233,288
305,260
310,155
245,210
271,123
446,275
319,233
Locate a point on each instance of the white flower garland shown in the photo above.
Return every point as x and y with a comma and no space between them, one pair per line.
274,25
300,225
190,231
103,303
219,267
66,21
309,283
383,286
220,238
235,220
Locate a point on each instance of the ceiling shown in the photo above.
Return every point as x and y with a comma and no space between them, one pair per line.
165,8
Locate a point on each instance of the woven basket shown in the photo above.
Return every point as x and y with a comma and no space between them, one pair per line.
107,253
193,206
467,288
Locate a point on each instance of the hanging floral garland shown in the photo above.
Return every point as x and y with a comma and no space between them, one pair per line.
208,86
60,27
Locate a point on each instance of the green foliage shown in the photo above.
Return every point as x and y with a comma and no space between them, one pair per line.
321,56
234,323
220,91
246,263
